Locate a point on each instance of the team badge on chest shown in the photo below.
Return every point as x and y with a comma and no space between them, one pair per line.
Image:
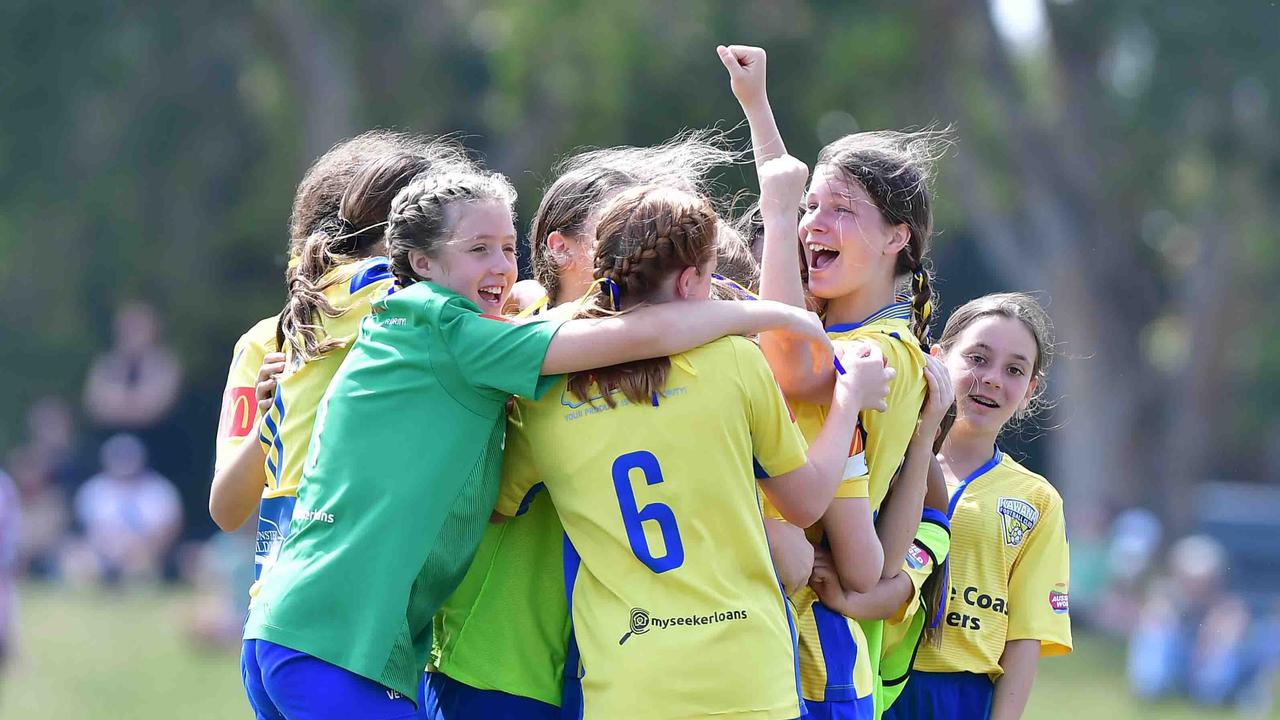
1017,517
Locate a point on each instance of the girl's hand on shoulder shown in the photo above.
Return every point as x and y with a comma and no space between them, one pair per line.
782,186
265,389
938,398
866,377
746,66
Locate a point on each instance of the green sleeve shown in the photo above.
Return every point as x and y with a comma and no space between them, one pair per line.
494,352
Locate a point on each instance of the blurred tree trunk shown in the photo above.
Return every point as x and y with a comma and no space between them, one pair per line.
1056,229
321,71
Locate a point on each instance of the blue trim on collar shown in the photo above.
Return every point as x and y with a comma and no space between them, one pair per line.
896,310
982,470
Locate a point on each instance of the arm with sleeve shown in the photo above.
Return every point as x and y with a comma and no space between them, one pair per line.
1038,584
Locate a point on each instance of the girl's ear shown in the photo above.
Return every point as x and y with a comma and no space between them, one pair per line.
561,247
901,236
936,350
1031,393
685,282
420,264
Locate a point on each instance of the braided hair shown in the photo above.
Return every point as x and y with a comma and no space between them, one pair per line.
895,168
647,235
353,231
418,221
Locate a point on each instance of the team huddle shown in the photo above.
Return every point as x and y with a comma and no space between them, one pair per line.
696,467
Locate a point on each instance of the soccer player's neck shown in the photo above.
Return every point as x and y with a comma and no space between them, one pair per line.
860,304
966,449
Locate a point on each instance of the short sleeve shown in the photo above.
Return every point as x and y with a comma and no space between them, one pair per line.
496,353
239,415
1038,585
925,555
888,433
520,482
777,446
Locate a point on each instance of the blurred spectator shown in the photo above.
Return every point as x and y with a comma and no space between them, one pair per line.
10,527
216,568
54,442
1136,536
134,385
1192,636
43,505
130,516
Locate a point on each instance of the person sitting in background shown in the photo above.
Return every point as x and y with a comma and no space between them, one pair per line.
130,516
52,440
1192,636
43,504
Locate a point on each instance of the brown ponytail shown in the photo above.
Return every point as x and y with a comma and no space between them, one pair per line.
647,234
356,232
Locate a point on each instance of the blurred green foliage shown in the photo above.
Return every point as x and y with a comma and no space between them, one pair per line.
151,151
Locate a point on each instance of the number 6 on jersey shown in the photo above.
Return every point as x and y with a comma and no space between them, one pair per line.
633,517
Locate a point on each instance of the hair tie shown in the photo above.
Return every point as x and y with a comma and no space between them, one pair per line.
615,302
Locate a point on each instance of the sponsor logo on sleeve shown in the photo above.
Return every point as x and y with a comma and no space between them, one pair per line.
1058,600
1017,518
917,557
239,408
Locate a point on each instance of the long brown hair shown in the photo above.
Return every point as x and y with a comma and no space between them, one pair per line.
354,231
587,179
895,168
647,234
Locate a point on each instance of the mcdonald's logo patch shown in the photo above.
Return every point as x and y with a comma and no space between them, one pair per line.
238,411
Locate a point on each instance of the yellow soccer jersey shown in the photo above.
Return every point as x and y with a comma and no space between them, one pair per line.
884,436
904,631
239,414
285,429
837,663
676,607
1009,570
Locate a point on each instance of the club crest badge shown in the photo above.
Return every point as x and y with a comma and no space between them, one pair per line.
1017,518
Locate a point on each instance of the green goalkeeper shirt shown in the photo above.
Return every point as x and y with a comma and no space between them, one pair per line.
401,476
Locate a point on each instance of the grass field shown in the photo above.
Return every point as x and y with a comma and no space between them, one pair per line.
127,656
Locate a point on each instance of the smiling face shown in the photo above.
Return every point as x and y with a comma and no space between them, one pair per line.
992,365
479,259
846,238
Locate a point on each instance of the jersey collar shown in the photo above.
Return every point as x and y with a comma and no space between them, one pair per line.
983,469
899,310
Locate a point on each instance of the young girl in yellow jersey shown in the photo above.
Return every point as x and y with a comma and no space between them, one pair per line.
503,638
315,214
676,606
865,228
1008,602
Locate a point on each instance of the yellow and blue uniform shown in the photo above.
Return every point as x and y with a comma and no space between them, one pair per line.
285,429
239,416
1009,580
667,570
839,656
903,632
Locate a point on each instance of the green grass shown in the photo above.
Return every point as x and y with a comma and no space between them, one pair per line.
127,655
